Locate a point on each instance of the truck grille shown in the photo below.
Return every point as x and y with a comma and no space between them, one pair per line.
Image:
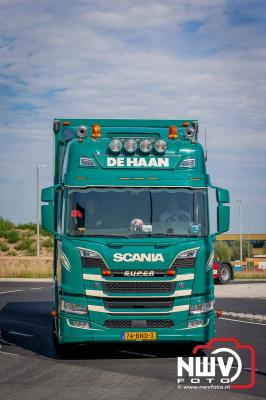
138,303
92,262
138,287
149,323
184,262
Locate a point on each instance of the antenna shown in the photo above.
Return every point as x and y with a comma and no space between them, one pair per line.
206,149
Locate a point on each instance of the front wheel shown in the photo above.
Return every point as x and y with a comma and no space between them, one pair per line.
224,274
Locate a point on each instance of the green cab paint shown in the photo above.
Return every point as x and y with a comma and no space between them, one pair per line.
129,211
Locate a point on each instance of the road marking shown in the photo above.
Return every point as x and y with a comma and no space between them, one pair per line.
12,291
36,288
20,334
258,317
244,322
10,354
138,354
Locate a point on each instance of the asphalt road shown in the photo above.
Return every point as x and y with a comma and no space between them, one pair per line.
30,369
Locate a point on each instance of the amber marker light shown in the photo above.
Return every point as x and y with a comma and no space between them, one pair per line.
106,272
185,124
66,123
96,131
171,272
172,132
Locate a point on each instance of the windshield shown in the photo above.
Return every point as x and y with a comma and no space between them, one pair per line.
137,212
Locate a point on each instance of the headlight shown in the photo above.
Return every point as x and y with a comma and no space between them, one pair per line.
201,307
191,253
115,145
131,145
145,146
73,308
160,146
190,133
82,131
88,253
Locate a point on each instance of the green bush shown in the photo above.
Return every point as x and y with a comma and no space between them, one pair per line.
48,243
24,244
12,236
6,225
3,247
222,251
30,226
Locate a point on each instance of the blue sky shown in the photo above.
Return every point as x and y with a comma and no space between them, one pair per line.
148,59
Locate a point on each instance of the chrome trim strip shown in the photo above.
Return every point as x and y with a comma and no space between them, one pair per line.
99,278
104,310
99,293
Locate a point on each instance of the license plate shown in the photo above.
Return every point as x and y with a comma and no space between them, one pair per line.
134,336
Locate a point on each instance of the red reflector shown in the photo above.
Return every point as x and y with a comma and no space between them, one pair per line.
53,313
106,271
171,272
219,313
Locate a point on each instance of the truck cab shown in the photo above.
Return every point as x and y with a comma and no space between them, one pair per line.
133,251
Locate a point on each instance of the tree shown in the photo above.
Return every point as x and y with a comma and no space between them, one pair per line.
222,250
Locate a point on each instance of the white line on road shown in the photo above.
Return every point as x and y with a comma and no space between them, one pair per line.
20,334
10,354
244,322
138,354
36,288
12,291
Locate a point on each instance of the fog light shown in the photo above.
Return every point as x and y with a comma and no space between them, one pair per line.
197,323
79,324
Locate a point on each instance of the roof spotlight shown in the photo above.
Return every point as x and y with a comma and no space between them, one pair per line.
82,131
160,146
145,146
130,145
115,145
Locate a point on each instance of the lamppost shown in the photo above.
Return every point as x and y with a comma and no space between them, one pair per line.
37,209
240,231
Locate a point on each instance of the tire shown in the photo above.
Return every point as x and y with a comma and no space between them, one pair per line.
224,274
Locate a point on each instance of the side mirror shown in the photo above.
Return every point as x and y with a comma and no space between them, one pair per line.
48,210
222,195
223,212
223,218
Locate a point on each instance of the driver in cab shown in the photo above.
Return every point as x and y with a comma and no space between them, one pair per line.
175,219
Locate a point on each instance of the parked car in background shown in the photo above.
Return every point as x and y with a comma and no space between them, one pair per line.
222,271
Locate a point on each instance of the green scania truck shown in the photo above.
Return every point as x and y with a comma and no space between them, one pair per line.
129,211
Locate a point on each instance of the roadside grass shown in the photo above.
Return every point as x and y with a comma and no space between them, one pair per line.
250,275
25,268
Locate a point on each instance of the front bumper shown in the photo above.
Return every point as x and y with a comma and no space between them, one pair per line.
97,333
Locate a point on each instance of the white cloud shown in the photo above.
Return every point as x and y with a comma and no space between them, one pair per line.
132,59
